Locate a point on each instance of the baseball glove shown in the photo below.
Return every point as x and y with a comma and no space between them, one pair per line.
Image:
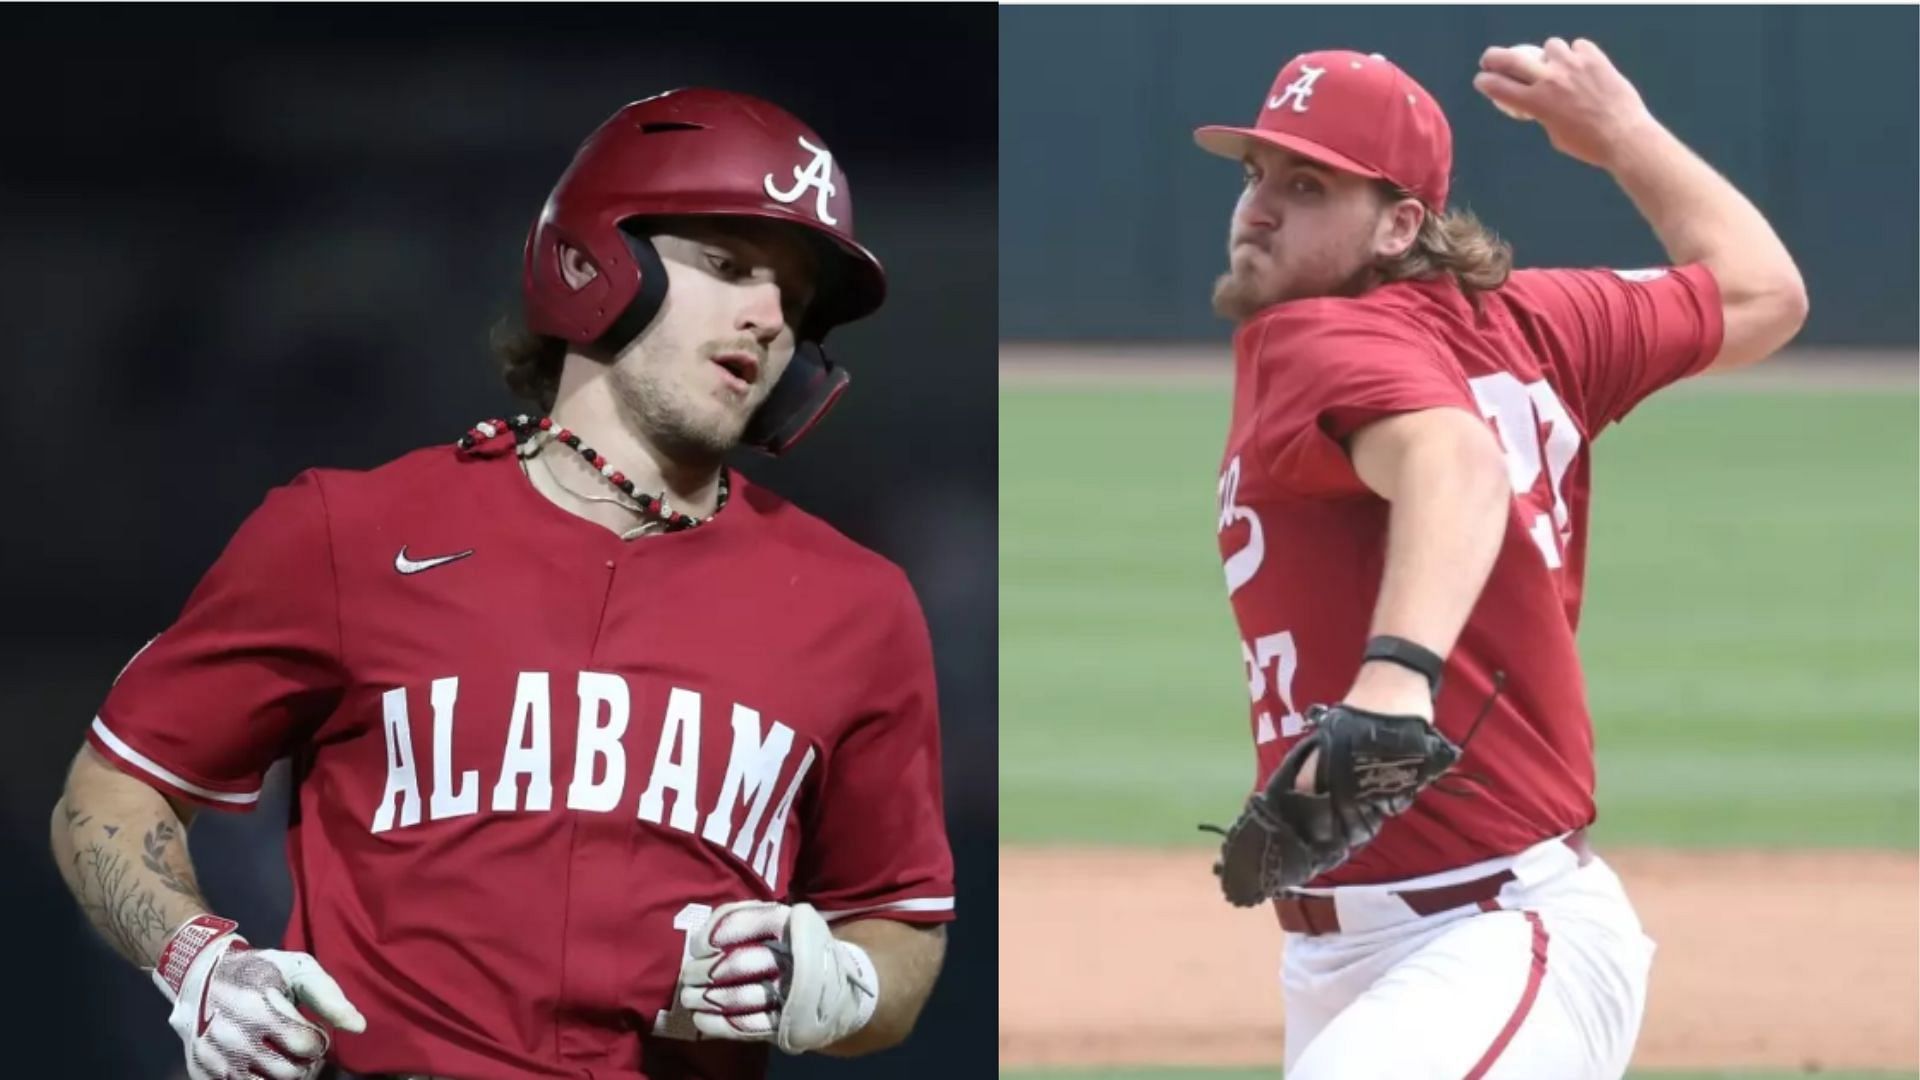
1371,767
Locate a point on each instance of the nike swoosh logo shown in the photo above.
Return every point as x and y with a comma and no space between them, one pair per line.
859,989
411,566
206,995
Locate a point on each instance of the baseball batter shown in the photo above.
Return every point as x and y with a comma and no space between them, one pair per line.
609,763
1404,506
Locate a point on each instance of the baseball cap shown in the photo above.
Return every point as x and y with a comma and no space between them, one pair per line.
1355,112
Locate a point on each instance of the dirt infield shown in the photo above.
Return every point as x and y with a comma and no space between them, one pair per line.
1802,960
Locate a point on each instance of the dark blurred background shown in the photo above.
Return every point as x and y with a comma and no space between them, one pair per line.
243,241
1808,110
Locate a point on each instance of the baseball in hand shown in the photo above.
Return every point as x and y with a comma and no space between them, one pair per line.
1534,53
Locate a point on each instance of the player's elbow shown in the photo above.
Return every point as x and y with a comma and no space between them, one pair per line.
1794,304
1785,301
1762,320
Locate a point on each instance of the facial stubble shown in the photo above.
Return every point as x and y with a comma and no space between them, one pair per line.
664,410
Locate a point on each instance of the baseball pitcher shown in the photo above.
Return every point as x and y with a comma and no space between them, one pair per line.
1403,520
608,762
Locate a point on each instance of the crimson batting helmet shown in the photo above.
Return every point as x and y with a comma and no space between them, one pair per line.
703,153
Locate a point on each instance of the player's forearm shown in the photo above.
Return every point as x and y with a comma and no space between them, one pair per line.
1700,217
1448,515
907,959
122,850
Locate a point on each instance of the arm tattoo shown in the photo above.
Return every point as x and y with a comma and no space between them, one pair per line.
157,840
115,902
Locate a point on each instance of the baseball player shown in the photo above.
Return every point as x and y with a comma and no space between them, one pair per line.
1403,519
608,762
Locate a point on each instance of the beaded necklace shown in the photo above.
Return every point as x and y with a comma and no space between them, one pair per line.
525,428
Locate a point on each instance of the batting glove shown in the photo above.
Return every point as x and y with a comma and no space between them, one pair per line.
765,972
234,1006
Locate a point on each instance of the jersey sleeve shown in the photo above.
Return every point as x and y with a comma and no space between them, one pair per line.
1323,371
251,664
877,843
1624,334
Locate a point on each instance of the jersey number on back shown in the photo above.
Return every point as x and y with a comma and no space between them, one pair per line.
1533,425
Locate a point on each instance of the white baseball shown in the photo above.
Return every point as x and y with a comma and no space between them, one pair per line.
1537,55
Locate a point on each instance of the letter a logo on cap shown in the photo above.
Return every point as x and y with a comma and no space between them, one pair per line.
818,175
1299,90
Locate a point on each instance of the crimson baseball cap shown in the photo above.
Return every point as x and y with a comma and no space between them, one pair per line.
1355,112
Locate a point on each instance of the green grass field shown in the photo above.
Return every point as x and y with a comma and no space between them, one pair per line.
1749,634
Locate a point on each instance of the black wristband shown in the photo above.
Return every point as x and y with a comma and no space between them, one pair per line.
1408,655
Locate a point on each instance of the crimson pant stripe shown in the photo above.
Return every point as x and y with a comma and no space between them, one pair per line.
1535,976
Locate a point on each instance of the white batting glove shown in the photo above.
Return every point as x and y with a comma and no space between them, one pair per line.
234,1006
766,972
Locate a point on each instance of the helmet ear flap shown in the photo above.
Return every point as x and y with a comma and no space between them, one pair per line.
807,390
647,299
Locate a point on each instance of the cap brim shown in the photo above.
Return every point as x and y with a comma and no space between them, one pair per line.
1232,142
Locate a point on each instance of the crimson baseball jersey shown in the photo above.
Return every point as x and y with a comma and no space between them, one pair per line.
1550,360
530,757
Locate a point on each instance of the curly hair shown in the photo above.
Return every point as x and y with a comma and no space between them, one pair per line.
529,362
1453,243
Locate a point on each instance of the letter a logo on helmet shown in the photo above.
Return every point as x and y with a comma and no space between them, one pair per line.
817,175
704,153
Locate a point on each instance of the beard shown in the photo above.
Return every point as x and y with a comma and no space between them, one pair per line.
1240,296
686,426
